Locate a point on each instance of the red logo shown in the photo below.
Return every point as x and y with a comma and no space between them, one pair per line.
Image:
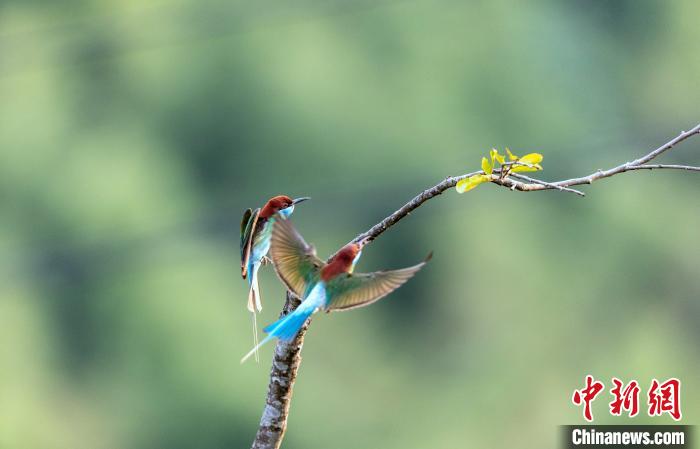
663,397
625,399
586,395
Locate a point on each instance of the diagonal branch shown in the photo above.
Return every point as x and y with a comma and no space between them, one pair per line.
531,186
287,359
637,164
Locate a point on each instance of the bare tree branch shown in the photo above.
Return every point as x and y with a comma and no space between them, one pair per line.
287,359
637,164
285,365
673,167
536,185
544,183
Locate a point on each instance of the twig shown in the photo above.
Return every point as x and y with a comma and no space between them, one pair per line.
673,167
637,164
409,207
287,359
545,183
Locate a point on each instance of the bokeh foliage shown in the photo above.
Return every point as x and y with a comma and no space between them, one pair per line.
132,135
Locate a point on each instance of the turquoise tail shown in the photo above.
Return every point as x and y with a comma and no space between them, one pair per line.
286,328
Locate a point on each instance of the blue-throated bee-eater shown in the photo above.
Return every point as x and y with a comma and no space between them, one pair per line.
330,286
256,229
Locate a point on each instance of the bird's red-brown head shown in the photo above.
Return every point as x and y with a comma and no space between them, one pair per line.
274,205
278,203
341,262
347,253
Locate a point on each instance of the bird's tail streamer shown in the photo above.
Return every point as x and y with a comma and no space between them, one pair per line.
286,328
255,335
254,300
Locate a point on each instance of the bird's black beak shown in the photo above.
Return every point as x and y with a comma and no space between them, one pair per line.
300,200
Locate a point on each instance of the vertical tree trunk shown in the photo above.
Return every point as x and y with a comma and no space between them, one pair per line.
283,374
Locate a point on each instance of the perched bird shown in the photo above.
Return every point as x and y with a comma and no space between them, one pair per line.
324,286
256,228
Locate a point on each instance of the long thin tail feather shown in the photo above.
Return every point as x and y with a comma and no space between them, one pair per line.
254,303
255,336
255,349
286,328
254,300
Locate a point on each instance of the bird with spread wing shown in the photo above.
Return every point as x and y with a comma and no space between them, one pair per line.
328,286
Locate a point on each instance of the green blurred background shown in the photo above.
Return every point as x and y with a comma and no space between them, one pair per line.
133,135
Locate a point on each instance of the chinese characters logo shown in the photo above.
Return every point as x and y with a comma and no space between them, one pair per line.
661,397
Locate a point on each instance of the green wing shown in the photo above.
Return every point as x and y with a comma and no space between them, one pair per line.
248,225
350,291
244,226
295,260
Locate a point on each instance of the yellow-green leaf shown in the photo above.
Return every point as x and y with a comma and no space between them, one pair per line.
486,166
523,168
511,156
532,158
469,183
496,157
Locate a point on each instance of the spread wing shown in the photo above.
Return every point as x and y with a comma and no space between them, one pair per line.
351,291
295,260
248,225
